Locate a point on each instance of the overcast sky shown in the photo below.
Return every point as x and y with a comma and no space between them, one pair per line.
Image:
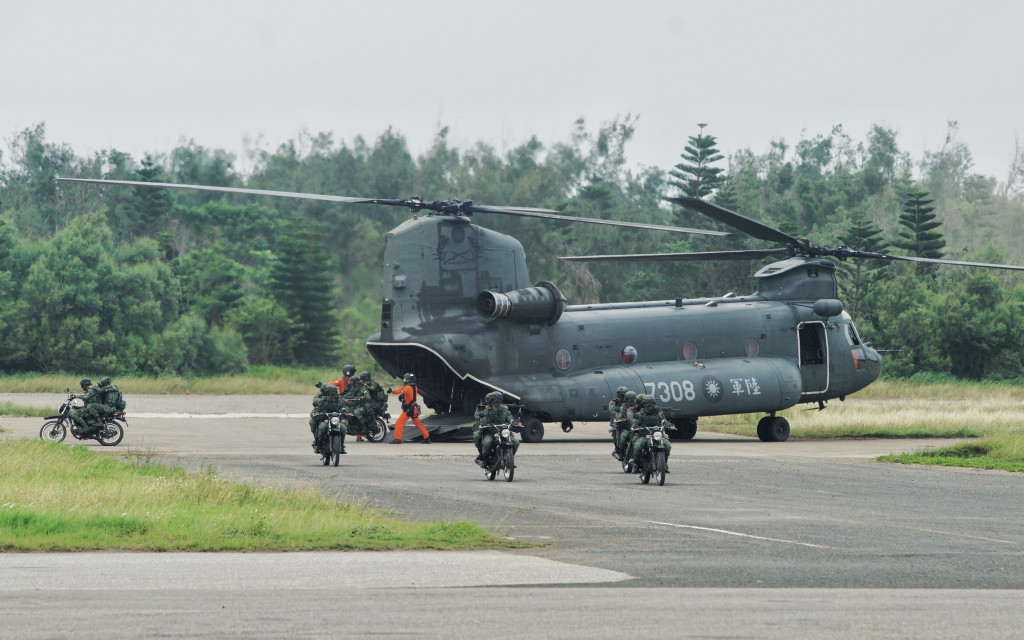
141,76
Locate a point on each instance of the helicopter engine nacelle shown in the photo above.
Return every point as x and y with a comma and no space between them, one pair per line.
543,303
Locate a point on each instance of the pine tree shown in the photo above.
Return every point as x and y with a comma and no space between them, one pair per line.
859,276
695,176
302,284
921,237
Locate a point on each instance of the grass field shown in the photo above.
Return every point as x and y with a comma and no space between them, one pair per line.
55,497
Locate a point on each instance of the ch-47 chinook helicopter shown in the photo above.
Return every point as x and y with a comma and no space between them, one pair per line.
458,310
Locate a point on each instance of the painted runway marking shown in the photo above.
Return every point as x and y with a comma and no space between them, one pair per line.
741,535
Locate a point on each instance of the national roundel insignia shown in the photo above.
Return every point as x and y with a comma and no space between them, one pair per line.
712,387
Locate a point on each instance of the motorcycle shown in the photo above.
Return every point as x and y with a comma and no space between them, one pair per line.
376,431
332,447
616,431
502,454
653,460
108,433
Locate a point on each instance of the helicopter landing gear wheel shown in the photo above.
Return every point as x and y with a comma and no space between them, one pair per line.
533,429
686,428
773,429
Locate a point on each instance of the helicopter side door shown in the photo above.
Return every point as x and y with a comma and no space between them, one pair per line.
812,351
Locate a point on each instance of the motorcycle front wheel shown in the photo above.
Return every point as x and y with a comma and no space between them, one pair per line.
335,449
659,468
378,430
53,431
110,434
509,467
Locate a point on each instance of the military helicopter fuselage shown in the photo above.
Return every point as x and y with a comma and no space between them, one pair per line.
459,311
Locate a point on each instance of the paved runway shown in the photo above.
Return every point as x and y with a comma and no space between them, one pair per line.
747,539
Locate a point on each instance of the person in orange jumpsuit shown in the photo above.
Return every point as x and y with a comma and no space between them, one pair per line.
410,409
345,381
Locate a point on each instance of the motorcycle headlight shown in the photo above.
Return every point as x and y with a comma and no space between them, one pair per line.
657,435
505,433
335,421
77,403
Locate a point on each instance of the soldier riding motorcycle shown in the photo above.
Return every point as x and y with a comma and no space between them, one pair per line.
105,428
494,439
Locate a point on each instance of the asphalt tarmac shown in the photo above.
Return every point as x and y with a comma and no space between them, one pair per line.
746,540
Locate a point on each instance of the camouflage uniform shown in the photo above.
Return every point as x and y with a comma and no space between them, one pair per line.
327,401
613,413
648,415
493,413
626,413
93,398
360,401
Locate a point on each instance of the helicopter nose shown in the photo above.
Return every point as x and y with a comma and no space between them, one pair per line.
874,362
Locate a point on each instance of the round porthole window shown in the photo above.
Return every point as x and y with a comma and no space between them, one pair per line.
627,355
690,351
563,359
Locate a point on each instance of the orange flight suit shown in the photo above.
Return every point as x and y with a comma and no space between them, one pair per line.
408,393
342,383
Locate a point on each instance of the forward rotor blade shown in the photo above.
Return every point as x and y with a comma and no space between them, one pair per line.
748,254
956,263
540,213
454,207
257,192
750,227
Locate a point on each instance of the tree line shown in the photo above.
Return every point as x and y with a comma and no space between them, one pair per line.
177,282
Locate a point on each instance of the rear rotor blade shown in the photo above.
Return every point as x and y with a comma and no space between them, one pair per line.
750,227
539,213
696,256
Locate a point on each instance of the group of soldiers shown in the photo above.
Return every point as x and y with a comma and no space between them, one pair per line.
100,401
366,399
629,412
361,395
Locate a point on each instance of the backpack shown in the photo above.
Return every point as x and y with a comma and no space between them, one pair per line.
114,399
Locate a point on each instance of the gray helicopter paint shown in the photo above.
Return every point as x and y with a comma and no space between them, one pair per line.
748,349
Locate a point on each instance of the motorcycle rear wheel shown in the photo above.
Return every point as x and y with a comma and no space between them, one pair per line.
645,468
110,434
53,431
377,430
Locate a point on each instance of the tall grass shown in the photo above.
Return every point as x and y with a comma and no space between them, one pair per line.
60,497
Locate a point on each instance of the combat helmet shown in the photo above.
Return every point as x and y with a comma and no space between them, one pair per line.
348,370
104,381
85,383
365,376
630,396
493,397
621,392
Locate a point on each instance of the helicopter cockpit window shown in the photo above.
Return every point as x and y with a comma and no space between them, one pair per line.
852,337
627,355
